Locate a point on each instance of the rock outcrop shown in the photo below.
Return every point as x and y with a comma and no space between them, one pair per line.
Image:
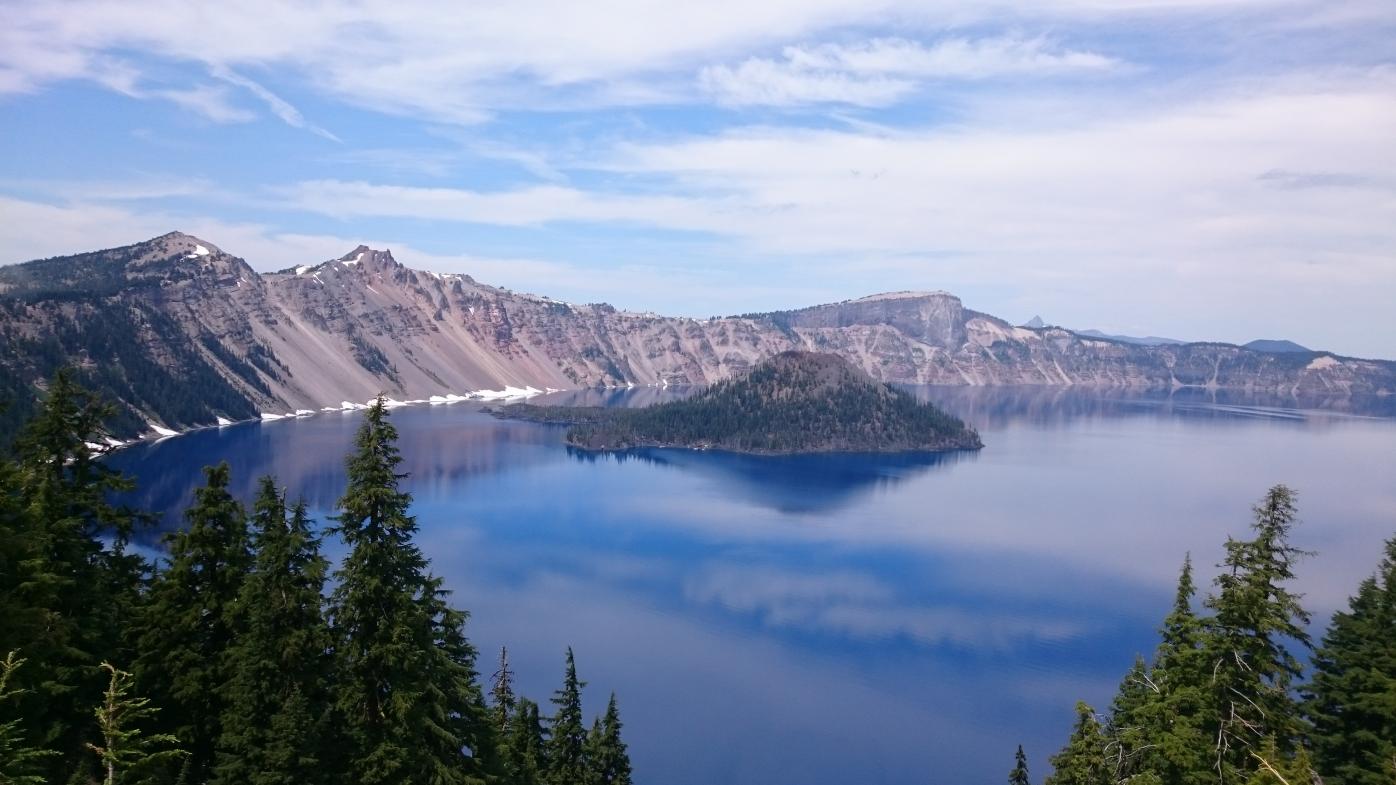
180,333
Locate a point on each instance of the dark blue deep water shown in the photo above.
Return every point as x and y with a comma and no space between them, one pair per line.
844,619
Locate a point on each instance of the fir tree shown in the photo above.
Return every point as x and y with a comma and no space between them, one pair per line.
192,620
1252,667
127,754
1082,761
608,762
1351,701
20,763
75,593
525,749
567,763
1019,774
274,727
403,667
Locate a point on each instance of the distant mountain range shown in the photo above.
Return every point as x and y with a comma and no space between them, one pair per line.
181,334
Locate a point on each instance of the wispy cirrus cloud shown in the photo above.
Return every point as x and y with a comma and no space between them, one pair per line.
881,71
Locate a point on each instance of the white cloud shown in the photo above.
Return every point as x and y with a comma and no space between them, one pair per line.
288,114
462,62
882,71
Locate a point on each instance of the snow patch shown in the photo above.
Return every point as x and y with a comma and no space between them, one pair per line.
268,416
224,422
114,442
161,430
1322,363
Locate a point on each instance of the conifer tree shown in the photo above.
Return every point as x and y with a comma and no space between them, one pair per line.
77,590
567,763
192,620
1082,761
127,754
1351,700
1019,774
20,763
403,696
525,749
608,762
1252,667
274,728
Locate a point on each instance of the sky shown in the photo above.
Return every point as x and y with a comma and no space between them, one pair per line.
1218,170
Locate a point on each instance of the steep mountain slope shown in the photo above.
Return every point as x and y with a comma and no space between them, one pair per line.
181,333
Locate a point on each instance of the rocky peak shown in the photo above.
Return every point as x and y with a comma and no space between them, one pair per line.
938,318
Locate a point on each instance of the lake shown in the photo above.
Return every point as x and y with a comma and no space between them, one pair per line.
844,619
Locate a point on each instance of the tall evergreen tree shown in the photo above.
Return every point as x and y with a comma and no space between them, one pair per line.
525,748
275,724
1351,700
402,695
567,763
1255,615
1158,718
127,753
1019,774
75,592
193,619
1082,761
608,762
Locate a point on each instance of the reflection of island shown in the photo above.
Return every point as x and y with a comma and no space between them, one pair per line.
790,483
792,403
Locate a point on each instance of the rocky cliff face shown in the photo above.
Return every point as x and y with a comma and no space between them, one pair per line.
181,333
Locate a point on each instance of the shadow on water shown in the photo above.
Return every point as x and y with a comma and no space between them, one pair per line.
790,483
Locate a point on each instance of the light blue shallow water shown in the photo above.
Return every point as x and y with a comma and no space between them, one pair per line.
844,619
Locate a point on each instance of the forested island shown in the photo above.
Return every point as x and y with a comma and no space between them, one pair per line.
794,402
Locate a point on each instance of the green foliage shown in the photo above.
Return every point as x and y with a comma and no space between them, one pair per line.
194,617
72,596
608,763
128,755
525,748
404,694
1351,700
567,763
1083,760
793,402
1019,774
19,762
275,726
1254,616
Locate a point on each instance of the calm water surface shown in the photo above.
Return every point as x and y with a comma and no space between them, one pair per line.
844,619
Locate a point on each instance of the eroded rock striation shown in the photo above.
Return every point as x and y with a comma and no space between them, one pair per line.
180,333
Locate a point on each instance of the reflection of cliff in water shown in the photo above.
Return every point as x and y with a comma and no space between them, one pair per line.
990,408
439,451
790,483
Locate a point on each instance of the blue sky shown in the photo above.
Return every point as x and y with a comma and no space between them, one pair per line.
1205,170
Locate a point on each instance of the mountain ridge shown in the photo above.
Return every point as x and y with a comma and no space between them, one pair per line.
180,333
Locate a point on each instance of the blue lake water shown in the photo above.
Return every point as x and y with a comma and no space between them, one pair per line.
853,618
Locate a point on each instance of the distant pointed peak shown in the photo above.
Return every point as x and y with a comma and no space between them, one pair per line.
1035,322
